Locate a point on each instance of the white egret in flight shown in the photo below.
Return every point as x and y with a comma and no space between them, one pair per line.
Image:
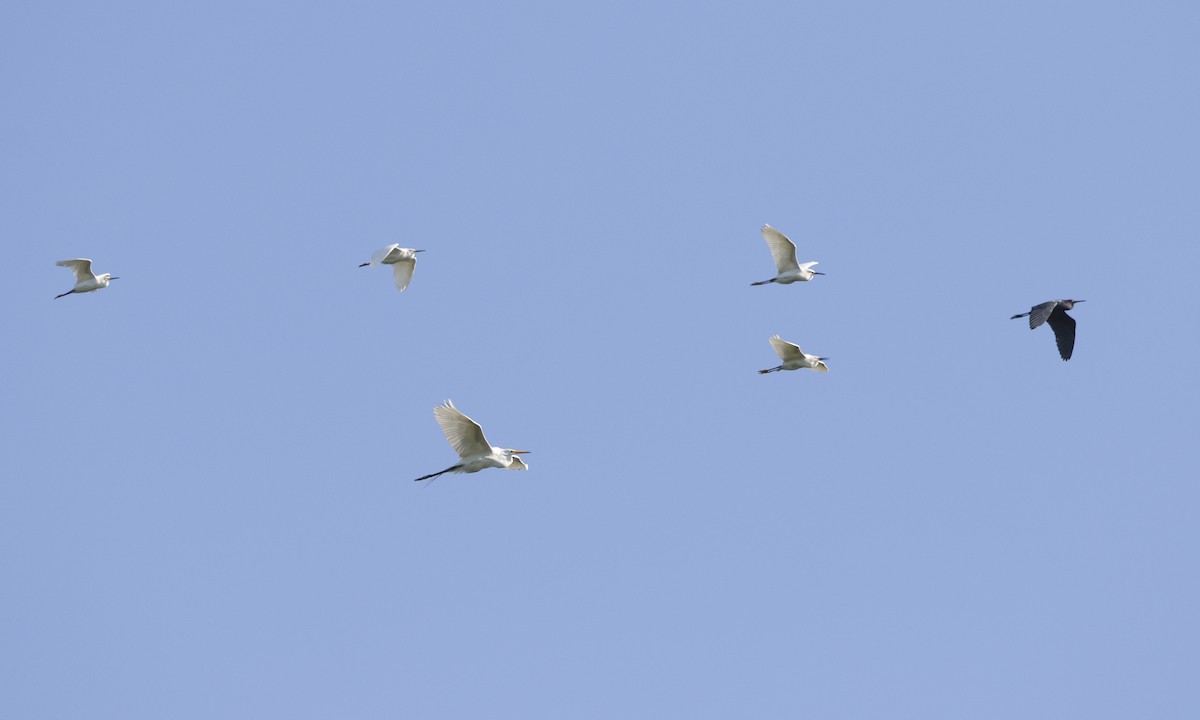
784,252
474,451
85,281
402,260
794,358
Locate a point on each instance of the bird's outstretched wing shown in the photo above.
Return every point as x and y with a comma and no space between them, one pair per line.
382,253
518,464
463,433
402,272
1039,313
782,249
1063,326
82,268
786,350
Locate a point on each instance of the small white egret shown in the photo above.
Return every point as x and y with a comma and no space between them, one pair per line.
474,451
794,358
85,281
784,252
402,260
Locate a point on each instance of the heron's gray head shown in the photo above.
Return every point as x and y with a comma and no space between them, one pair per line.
1068,304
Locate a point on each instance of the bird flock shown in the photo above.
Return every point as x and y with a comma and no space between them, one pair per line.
465,435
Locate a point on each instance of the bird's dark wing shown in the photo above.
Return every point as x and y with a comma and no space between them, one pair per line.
1039,313
1063,326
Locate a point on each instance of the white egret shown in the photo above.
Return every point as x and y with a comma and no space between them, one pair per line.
85,280
794,358
402,260
474,451
784,252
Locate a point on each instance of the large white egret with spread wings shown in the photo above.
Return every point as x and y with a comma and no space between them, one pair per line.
784,253
85,280
475,453
794,358
402,260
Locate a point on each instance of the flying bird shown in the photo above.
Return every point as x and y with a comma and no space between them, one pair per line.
474,451
784,252
85,280
402,260
794,358
1063,325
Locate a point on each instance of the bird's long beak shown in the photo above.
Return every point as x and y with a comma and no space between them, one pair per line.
416,251
817,273
521,452
1081,301
822,359
112,277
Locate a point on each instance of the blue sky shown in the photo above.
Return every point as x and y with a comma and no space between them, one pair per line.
208,508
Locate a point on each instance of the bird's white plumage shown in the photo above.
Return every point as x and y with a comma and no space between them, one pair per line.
381,255
402,260
474,451
402,272
463,433
794,358
783,250
786,350
85,280
81,267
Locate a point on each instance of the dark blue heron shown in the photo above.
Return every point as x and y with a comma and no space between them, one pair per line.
1063,325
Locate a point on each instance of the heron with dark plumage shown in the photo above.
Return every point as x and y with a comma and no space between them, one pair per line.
1063,325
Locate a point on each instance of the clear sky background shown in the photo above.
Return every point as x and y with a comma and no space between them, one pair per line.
208,509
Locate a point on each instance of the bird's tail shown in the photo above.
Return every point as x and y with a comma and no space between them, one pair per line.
431,476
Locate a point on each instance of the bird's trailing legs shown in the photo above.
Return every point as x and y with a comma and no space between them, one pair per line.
431,476
768,282
64,294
